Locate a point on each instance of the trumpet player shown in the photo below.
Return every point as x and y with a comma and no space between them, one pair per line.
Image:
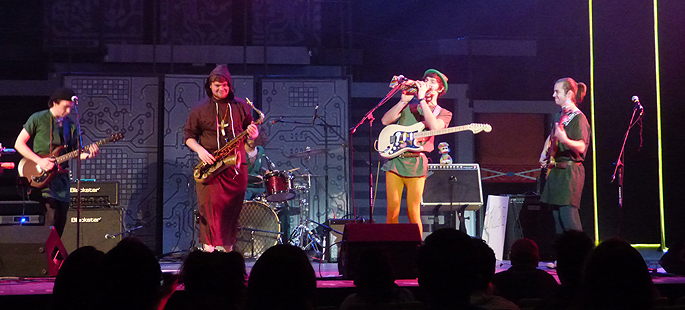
212,123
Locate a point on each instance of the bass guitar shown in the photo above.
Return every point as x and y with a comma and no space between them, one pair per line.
38,177
397,139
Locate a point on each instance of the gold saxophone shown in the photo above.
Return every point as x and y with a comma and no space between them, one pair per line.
224,157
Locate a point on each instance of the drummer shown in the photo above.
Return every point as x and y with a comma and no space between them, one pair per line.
256,167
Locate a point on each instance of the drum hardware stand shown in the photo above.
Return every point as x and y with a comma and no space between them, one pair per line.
303,237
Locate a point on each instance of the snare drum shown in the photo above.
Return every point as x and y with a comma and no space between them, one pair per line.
278,186
259,229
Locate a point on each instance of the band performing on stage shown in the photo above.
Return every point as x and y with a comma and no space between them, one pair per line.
235,170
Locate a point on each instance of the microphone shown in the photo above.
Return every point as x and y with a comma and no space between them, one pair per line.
316,111
272,167
636,99
74,99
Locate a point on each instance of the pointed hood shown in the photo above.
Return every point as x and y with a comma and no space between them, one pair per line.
221,71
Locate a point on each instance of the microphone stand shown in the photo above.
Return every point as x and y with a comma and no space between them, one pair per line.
78,174
619,169
326,125
369,116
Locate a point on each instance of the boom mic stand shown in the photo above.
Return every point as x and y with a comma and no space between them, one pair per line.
78,172
619,169
369,116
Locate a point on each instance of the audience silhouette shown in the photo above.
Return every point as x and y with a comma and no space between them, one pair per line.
78,283
131,277
523,279
482,296
573,248
616,277
282,278
213,280
375,282
446,272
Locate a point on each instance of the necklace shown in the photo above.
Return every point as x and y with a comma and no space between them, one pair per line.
223,124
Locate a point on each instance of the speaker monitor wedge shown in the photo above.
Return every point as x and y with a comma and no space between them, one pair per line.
30,251
400,241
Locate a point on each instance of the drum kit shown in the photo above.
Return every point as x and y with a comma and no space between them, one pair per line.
260,220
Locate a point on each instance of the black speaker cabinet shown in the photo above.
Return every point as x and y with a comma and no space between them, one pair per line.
461,180
400,241
100,228
528,218
30,251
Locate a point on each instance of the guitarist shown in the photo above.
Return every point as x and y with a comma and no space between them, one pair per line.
49,129
564,184
410,169
212,123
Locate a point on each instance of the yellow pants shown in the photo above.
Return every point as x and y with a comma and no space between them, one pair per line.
394,185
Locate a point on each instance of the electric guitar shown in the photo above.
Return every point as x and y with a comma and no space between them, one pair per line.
397,139
38,178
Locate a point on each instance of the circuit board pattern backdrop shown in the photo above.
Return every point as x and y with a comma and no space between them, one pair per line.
181,93
129,105
291,103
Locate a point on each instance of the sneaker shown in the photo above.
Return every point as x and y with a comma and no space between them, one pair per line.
207,248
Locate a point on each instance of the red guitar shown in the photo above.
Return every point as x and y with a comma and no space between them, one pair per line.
38,177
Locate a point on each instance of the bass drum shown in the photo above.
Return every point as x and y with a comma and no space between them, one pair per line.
258,229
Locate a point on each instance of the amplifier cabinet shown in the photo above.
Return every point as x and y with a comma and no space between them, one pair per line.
462,179
96,193
100,228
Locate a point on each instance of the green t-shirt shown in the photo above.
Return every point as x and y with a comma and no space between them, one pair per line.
39,127
414,166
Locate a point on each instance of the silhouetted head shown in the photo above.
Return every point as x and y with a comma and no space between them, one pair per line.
524,252
132,276
446,267
78,282
573,248
616,277
282,278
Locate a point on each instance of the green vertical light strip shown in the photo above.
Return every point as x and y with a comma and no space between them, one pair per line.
658,125
592,121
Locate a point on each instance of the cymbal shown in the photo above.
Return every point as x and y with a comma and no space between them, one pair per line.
308,153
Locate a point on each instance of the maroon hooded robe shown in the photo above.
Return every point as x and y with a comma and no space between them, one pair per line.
221,199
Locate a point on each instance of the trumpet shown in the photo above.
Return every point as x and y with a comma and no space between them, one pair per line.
407,86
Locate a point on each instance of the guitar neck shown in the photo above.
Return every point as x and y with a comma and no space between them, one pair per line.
73,154
436,132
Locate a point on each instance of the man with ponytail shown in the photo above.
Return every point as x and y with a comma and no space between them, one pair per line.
568,143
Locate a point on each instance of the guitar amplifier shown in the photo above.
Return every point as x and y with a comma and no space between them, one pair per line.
95,193
458,184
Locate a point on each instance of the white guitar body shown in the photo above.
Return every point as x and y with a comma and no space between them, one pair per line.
397,139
